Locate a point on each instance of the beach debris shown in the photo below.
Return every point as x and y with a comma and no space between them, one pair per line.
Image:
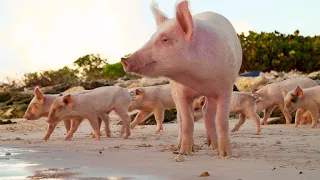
145,145
277,142
300,172
180,158
204,174
8,154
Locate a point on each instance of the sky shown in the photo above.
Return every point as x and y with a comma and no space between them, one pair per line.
40,35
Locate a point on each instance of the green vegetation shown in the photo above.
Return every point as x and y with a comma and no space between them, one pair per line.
280,52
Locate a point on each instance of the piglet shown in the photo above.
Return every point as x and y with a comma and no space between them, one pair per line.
39,107
90,105
151,100
269,96
241,103
306,99
201,55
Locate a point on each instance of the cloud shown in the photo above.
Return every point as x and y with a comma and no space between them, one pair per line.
242,26
50,34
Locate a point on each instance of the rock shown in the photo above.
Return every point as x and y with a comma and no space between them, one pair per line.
7,122
204,174
180,158
277,142
8,154
153,81
95,84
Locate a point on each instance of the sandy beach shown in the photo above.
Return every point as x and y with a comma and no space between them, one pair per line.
280,152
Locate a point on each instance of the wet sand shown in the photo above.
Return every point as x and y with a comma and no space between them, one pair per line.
280,152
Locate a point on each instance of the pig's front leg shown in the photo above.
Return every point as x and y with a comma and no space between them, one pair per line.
142,115
299,112
266,114
50,129
314,117
159,114
105,119
180,128
187,125
210,110
242,119
94,122
99,124
74,126
286,114
67,124
223,105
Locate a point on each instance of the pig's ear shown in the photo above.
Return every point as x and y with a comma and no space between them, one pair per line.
138,94
38,94
159,16
298,91
202,100
284,92
67,100
184,20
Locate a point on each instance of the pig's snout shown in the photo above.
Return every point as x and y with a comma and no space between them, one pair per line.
125,64
26,116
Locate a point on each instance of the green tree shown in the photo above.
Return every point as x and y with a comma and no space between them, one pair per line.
90,66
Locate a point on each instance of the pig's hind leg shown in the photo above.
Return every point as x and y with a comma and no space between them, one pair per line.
242,119
125,129
141,116
255,117
159,114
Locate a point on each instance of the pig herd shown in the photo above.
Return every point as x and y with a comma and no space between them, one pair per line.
201,55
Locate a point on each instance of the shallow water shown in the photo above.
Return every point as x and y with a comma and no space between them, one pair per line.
13,166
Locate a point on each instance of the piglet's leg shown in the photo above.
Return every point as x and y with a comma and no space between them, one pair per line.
159,114
210,109
94,122
74,126
105,119
50,129
141,116
314,117
67,124
255,117
297,117
242,119
125,131
223,105
99,124
267,113
286,114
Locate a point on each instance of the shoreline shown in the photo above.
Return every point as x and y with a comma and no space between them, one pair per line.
280,152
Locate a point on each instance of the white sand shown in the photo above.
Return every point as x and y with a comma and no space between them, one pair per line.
256,156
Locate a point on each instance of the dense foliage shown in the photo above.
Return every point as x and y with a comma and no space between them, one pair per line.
280,52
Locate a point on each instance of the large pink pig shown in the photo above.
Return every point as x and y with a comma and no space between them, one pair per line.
39,107
269,96
242,104
306,99
152,99
90,105
201,55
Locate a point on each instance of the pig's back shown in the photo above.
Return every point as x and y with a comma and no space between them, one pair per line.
240,101
161,95
291,84
222,28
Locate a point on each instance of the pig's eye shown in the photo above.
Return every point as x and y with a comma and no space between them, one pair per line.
196,109
165,39
293,100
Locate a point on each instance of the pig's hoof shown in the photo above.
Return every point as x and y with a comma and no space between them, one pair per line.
180,158
45,139
224,148
295,126
108,135
314,126
157,132
132,126
213,143
234,129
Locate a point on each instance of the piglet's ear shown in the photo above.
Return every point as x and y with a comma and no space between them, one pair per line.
159,16
38,94
184,20
202,100
298,91
67,100
284,92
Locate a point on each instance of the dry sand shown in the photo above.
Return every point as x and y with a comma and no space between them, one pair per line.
280,152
